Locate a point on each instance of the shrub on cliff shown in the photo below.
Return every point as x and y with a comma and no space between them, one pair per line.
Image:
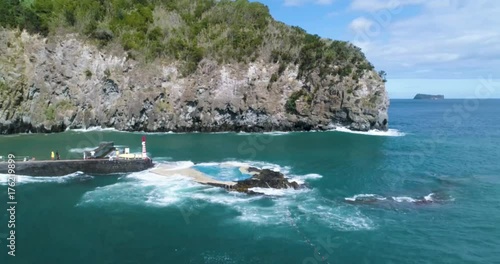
189,30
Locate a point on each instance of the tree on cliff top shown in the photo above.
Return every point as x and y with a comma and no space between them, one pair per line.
188,31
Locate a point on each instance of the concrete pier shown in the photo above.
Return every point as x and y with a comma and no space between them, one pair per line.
65,167
197,176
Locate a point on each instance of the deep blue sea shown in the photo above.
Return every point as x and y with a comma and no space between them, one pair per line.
427,191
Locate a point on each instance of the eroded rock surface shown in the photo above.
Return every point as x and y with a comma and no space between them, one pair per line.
49,85
264,179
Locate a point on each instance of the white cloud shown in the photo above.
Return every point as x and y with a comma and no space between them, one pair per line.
376,5
302,2
360,25
446,37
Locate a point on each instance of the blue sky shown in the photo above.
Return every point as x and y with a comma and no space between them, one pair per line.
426,46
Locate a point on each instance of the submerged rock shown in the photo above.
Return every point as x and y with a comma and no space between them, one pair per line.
264,179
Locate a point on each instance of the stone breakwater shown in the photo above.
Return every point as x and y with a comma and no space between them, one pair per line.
65,167
49,85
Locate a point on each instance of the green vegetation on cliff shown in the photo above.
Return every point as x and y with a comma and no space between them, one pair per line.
188,31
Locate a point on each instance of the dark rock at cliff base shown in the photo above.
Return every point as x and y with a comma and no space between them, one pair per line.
264,179
428,97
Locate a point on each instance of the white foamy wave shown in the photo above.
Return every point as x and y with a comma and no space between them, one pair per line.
430,198
251,211
143,188
235,164
218,196
208,164
92,129
178,165
365,197
337,217
276,133
401,199
81,150
277,192
155,133
265,216
301,179
22,179
271,209
229,175
166,192
358,222
389,133
112,129
302,208
269,133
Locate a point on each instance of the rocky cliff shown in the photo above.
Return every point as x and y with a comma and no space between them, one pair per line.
50,85
200,65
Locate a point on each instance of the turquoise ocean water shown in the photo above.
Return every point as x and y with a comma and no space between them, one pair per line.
427,191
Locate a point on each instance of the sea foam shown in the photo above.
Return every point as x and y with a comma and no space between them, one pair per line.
92,129
22,179
81,150
388,133
273,208
368,198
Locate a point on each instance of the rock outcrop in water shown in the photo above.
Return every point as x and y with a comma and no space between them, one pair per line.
290,81
264,178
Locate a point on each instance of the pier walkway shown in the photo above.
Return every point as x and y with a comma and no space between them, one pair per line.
197,176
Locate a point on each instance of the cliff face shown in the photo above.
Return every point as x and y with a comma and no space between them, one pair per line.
48,85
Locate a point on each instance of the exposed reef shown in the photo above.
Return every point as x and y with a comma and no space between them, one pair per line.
264,178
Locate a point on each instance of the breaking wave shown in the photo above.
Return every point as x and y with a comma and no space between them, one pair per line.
302,179
81,150
372,198
21,179
93,129
276,133
365,197
274,208
388,133
277,192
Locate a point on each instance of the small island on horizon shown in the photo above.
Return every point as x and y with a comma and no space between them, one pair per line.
428,97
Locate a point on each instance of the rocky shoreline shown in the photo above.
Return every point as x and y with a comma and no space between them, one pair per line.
17,127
